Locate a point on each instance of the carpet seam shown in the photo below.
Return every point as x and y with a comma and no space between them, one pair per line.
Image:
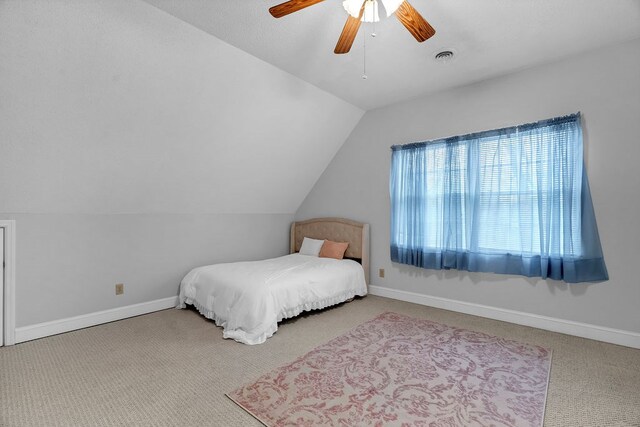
246,410
546,391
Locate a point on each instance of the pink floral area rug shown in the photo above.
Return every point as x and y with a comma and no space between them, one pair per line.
396,370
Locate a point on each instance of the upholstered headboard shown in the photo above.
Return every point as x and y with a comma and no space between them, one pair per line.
338,230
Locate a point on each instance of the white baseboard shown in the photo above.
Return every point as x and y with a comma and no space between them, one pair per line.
584,330
40,330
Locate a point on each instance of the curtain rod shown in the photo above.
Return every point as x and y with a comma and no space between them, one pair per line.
494,132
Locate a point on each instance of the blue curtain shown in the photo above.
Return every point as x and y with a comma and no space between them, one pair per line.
511,201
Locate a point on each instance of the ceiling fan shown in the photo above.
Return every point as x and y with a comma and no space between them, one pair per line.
364,10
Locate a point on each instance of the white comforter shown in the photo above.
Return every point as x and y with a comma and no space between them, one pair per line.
248,299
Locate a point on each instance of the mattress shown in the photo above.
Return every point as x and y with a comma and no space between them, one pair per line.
248,299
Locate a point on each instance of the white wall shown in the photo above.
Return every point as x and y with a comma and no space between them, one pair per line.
130,142
605,86
68,264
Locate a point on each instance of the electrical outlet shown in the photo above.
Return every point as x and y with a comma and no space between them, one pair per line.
381,273
119,288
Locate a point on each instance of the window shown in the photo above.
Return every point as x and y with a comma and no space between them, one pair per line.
512,201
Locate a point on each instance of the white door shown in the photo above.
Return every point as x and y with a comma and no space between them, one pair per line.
1,286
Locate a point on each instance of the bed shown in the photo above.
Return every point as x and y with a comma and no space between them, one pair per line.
248,299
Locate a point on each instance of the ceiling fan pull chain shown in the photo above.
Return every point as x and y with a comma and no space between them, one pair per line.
364,54
375,13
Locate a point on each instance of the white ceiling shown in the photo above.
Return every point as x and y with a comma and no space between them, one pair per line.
490,38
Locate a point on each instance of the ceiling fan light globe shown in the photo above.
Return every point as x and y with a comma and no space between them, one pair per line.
391,6
371,12
370,9
352,7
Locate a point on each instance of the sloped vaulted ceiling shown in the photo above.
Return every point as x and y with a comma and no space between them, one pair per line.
490,38
138,111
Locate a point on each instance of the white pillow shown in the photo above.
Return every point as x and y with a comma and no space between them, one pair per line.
311,247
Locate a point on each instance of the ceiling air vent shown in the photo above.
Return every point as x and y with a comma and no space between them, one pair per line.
444,56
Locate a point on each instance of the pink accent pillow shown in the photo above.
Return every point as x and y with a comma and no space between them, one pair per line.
333,249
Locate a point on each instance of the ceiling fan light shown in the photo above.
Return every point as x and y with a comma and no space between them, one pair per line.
370,9
391,6
352,7
371,12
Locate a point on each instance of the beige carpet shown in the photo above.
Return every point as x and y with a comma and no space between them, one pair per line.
172,368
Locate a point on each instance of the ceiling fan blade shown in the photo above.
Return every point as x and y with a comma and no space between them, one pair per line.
291,6
414,22
349,33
